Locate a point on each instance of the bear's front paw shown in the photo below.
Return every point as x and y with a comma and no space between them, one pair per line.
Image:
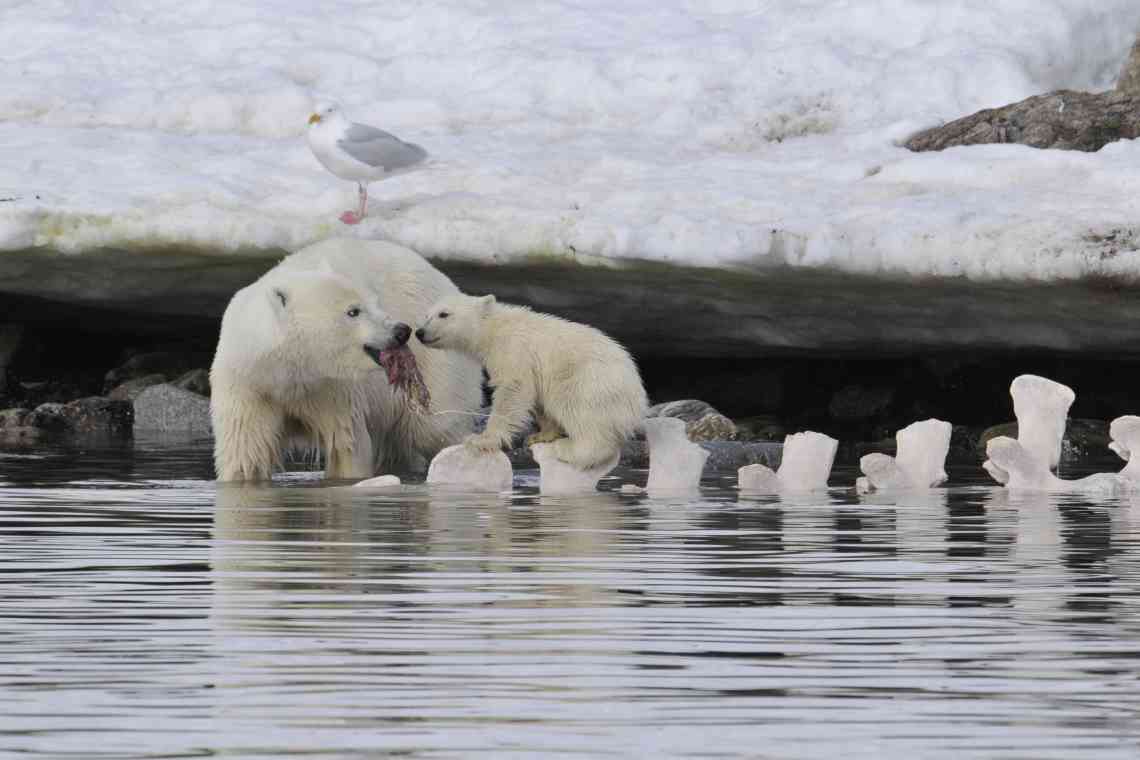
483,443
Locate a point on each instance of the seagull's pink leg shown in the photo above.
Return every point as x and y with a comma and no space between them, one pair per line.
354,217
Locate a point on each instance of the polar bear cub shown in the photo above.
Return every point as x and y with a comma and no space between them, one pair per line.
582,386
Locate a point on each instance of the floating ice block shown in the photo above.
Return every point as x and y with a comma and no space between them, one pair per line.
1041,407
1125,434
557,478
675,462
920,460
381,481
804,466
461,466
1011,464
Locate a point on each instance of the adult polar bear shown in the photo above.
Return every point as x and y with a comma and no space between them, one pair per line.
298,354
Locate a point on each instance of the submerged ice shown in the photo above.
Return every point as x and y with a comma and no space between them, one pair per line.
675,462
460,466
805,465
919,460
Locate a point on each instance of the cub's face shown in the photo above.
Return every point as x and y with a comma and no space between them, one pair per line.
453,323
331,330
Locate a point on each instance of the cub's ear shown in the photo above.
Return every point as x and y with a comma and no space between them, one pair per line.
486,302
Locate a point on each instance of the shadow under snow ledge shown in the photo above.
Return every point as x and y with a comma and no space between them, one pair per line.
657,310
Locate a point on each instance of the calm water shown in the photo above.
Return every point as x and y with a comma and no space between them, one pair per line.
144,612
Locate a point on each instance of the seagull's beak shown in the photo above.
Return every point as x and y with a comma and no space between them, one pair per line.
314,118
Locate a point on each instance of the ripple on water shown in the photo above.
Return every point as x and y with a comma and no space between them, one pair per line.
145,612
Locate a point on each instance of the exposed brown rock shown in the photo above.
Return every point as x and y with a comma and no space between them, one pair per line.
1129,81
1066,120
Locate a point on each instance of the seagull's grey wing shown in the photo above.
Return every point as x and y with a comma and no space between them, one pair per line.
378,148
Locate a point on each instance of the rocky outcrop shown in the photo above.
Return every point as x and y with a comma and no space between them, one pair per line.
94,415
1065,120
167,409
702,421
130,390
166,363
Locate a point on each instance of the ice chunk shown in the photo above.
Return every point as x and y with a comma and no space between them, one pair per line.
558,478
757,478
1041,407
1011,464
675,462
806,462
1125,434
382,481
881,473
804,466
920,460
472,470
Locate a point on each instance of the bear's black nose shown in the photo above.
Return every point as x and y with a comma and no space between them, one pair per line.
420,335
401,333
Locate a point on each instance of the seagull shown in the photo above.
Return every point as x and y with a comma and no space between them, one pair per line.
358,152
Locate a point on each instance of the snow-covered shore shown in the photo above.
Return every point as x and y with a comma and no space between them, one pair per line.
722,133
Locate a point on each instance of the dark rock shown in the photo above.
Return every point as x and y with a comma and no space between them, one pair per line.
729,456
168,363
1065,120
164,408
98,414
689,410
964,441
855,402
634,454
712,427
13,418
1082,437
760,428
16,427
195,381
130,390
702,421
48,416
1086,437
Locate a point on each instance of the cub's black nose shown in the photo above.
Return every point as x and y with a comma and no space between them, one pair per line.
420,335
401,333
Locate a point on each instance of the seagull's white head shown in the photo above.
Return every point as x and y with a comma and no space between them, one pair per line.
325,111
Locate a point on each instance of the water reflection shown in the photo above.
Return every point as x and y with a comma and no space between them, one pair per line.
145,611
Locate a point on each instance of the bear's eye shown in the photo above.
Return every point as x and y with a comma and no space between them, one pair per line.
444,314
353,312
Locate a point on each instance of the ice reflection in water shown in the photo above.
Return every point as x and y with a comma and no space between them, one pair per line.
145,612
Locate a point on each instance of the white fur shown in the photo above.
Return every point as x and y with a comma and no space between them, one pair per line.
299,367
582,386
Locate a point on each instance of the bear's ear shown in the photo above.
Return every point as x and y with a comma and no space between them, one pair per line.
486,302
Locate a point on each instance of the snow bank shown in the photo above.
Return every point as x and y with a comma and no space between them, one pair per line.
710,132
